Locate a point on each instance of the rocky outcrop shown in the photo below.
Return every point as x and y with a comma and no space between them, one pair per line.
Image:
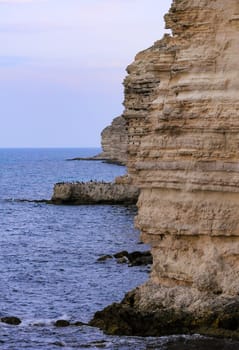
94,192
182,113
114,142
126,318
136,258
114,139
12,320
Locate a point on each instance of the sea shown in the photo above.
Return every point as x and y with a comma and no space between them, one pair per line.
48,257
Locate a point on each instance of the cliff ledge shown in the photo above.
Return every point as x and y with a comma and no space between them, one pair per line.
94,192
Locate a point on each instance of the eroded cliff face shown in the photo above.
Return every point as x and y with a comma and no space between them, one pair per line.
182,112
114,139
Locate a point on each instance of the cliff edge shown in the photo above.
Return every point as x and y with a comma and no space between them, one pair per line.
114,140
114,143
182,114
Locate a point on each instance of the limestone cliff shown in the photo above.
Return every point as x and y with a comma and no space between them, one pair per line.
182,113
114,140
114,143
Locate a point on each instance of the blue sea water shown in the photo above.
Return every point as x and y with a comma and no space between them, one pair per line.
48,257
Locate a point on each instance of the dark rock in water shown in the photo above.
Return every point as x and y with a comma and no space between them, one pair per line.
123,260
79,324
140,258
37,201
132,259
130,319
104,258
11,320
62,323
137,258
58,343
126,319
121,254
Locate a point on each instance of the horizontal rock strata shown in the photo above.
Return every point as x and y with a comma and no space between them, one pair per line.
114,140
94,193
182,113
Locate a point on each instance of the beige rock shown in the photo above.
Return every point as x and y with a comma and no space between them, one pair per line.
94,192
182,113
114,142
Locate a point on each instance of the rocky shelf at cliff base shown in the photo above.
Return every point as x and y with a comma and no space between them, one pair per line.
221,319
94,192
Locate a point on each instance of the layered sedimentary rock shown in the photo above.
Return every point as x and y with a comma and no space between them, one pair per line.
114,140
93,192
182,113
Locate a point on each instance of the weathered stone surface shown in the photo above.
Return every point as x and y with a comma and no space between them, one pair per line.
114,140
182,112
94,193
126,318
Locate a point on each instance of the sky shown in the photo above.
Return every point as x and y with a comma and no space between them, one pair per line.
62,64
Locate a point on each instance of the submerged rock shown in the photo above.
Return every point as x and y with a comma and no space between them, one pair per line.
62,323
66,323
104,258
79,324
136,258
129,318
11,320
121,254
122,260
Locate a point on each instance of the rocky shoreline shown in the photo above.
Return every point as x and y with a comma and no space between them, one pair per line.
128,318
